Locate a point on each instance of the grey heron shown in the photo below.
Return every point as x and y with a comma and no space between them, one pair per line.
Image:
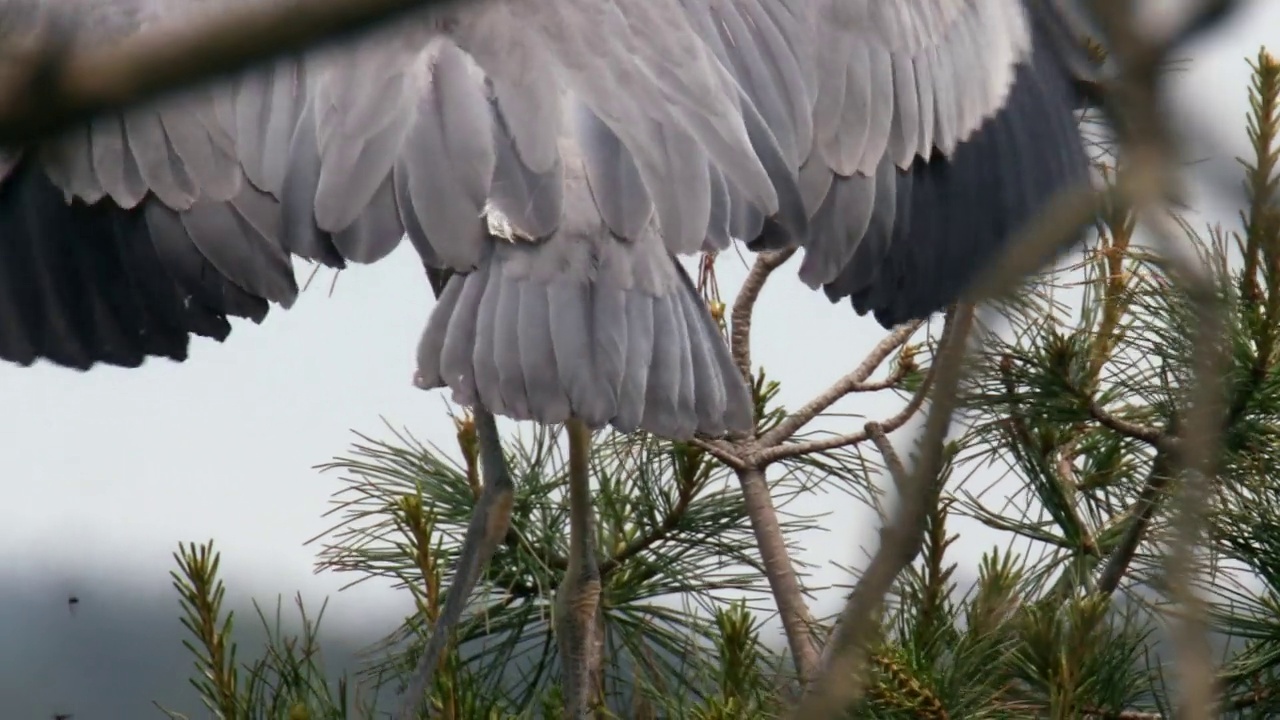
549,160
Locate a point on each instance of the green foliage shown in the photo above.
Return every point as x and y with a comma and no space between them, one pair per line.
287,681
1077,402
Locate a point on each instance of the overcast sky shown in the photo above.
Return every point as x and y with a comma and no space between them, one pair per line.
104,473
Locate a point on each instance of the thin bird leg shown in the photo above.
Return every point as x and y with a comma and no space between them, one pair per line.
578,599
487,529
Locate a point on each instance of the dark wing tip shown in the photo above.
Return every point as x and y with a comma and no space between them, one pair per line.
954,215
83,285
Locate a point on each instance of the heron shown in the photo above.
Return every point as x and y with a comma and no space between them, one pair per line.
550,161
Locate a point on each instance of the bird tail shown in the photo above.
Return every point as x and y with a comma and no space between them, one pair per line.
607,331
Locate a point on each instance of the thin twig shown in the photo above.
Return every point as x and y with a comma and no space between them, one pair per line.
745,303
855,381
787,450
893,463
723,451
1147,434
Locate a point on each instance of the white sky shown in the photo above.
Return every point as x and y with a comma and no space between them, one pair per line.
104,473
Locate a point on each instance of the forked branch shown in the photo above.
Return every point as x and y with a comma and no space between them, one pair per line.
855,381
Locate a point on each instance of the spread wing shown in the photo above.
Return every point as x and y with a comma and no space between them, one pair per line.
555,156
125,236
940,127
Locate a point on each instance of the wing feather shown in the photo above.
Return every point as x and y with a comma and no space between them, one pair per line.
556,156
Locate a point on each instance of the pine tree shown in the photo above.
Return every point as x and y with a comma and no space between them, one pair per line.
1079,400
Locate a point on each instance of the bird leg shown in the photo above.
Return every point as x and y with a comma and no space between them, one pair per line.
578,598
487,529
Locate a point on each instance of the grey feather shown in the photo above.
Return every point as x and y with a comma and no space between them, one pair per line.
609,341
739,409
506,350
616,186
708,400
240,252
686,401
484,353
880,115
785,68
838,228
718,236
298,196
431,345
548,401
922,63
904,137
456,365
662,393
267,109
633,392
376,231
682,196
158,168
572,339
531,201
747,61
447,161
113,164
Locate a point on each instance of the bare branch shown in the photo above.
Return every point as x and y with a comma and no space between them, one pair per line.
855,381
797,622
1147,434
1140,515
744,306
830,442
47,89
721,450
892,462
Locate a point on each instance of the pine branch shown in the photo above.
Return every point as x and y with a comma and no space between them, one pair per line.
1236,704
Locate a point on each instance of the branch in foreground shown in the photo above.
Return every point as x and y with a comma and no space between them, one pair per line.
843,675
1199,447
843,678
897,472
48,89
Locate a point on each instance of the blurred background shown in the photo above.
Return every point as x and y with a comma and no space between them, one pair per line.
103,474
